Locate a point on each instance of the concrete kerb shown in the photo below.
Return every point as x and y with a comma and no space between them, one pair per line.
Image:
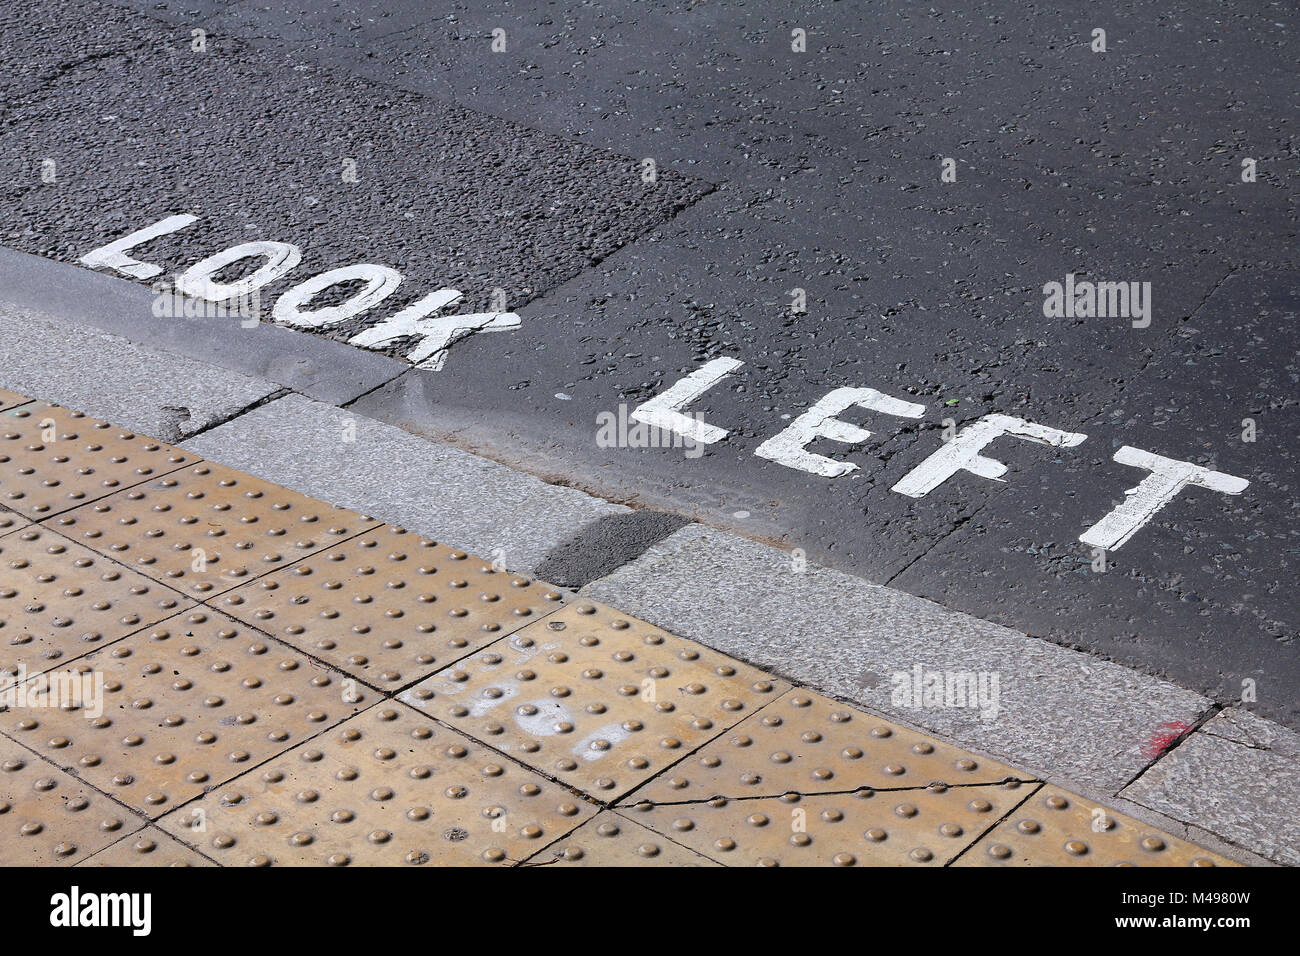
510,517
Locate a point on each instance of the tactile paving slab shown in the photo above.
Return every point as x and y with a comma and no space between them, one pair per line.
11,521
1059,828
594,698
387,787
48,817
390,607
807,743
9,399
59,601
609,839
207,528
186,706
926,827
147,847
53,459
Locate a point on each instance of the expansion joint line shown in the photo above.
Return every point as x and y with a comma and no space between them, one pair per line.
828,793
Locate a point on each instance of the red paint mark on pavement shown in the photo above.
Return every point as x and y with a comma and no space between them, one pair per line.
1164,737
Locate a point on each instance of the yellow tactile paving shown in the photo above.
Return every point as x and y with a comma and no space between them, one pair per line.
11,521
578,735
186,706
9,399
59,601
597,699
609,839
206,529
49,818
1059,828
390,607
387,787
926,827
147,847
807,743
53,459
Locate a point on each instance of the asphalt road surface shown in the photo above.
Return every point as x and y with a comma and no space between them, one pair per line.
837,195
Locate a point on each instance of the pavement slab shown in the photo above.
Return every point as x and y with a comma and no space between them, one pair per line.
925,827
643,698
437,605
609,839
1220,777
11,521
50,817
149,844
810,744
1056,828
205,528
185,706
346,354
58,459
387,787
60,601
9,399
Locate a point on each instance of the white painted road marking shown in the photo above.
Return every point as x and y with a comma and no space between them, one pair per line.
664,410
787,447
196,281
290,308
1168,477
113,255
436,335
963,453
